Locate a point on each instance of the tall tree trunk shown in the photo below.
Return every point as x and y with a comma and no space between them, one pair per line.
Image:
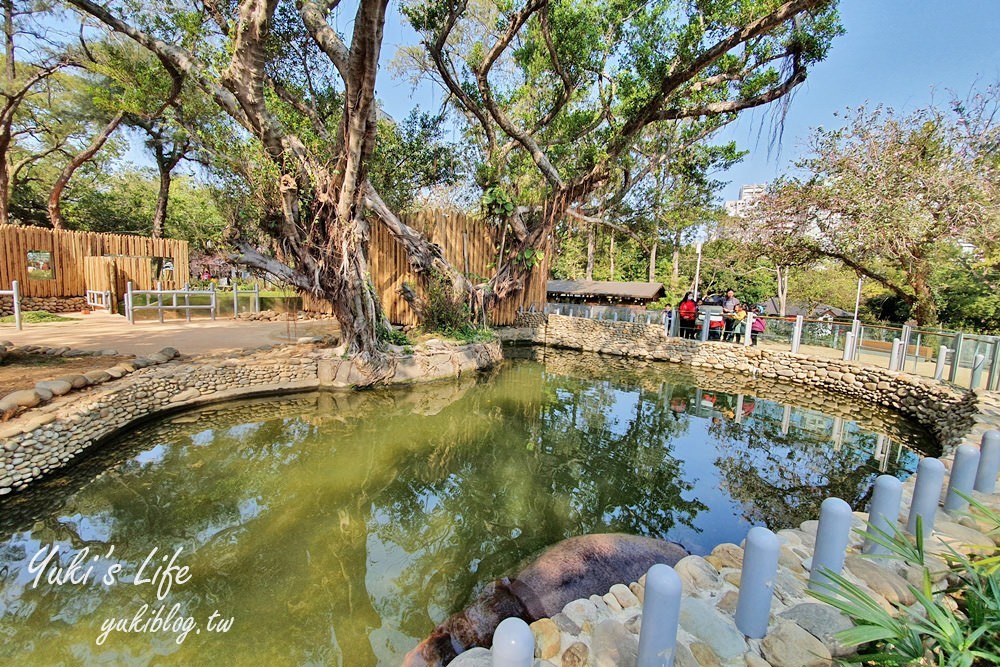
611,258
675,262
782,275
162,196
652,262
10,71
55,215
924,307
591,250
4,175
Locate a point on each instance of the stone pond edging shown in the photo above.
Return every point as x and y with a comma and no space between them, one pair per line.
944,410
48,437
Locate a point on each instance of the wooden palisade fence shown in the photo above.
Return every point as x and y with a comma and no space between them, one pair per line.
56,263
472,247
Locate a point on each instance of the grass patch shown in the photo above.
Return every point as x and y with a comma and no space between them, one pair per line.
37,317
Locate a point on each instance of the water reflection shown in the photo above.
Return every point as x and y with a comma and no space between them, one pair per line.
340,528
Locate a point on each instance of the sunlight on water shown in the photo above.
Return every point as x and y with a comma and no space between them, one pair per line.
338,529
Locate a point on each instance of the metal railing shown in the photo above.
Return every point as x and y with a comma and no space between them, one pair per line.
969,360
132,298
96,299
15,293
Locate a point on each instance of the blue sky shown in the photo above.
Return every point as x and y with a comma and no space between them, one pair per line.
902,53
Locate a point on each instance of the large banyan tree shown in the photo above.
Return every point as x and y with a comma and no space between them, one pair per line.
563,89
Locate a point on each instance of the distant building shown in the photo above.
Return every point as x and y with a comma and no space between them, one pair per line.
749,195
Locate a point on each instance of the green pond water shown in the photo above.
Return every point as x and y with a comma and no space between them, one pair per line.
340,528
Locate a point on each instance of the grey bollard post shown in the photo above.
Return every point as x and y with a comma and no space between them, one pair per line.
513,644
894,355
939,366
760,567
797,333
661,611
883,513
706,328
989,462
963,476
848,346
747,330
926,494
977,370
15,288
831,542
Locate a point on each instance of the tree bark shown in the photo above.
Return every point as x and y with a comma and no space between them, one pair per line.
652,262
611,259
924,306
10,71
55,215
162,197
782,275
675,262
591,250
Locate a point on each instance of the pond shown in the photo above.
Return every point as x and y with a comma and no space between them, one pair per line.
340,528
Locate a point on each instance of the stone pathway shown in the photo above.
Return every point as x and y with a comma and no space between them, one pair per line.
603,631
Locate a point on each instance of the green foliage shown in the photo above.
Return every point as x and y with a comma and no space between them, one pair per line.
496,203
448,313
930,631
393,336
37,317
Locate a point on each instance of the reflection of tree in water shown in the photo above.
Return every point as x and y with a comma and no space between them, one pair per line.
781,478
369,517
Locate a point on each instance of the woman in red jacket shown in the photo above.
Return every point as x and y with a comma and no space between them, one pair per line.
687,310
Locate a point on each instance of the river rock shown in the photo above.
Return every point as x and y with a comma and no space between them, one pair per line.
614,646
576,655
475,657
788,645
886,583
823,622
547,638
76,381
697,576
97,377
701,619
57,387
25,398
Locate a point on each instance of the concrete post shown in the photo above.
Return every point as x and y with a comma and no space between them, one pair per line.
989,462
926,494
894,354
748,334
760,566
962,478
939,366
883,513
977,370
661,610
17,303
993,380
129,304
513,644
848,347
706,327
956,357
831,542
797,334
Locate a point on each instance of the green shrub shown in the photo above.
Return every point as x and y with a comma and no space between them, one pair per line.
37,317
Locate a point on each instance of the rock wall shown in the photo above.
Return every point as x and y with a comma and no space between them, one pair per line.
945,411
53,304
47,438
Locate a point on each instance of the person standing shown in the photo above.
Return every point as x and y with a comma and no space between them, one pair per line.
728,310
687,310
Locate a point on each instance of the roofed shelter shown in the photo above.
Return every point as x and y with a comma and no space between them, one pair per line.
604,292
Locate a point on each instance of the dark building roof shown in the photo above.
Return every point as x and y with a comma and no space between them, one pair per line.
605,289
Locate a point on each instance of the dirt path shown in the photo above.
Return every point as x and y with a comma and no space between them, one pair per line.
101,331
